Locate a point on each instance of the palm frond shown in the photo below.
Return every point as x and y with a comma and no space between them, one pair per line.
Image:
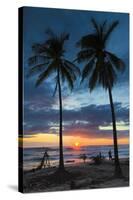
33,60
37,69
102,29
70,71
50,69
107,76
63,37
39,49
112,76
87,69
56,85
50,33
88,41
67,76
93,79
95,25
36,48
85,55
104,25
73,67
110,30
116,62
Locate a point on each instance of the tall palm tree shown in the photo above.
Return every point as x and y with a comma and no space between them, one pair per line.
101,68
48,59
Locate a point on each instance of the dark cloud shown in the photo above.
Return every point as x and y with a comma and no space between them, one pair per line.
85,121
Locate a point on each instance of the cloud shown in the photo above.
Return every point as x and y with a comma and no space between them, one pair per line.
85,121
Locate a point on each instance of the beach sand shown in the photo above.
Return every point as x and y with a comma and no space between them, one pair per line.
80,176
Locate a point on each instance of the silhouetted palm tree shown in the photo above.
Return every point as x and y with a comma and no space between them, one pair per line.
101,68
48,59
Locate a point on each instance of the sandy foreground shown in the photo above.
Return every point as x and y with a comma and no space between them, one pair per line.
79,176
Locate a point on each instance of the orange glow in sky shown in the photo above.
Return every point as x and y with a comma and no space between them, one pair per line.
77,144
41,139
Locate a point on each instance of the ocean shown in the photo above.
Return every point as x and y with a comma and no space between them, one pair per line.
33,156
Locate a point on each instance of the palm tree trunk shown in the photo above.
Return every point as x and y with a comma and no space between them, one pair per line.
61,158
118,171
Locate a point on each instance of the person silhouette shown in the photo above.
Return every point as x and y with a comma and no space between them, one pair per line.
100,155
84,157
110,155
46,159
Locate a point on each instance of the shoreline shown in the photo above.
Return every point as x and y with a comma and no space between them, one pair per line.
71,162
33,156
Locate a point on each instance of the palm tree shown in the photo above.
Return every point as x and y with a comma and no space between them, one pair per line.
101,68
48,59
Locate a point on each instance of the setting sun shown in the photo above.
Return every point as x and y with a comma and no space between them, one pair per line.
77,144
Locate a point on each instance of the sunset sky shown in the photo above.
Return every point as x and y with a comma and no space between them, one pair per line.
86,116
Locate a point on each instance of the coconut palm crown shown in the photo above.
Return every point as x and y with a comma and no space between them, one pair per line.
101,65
